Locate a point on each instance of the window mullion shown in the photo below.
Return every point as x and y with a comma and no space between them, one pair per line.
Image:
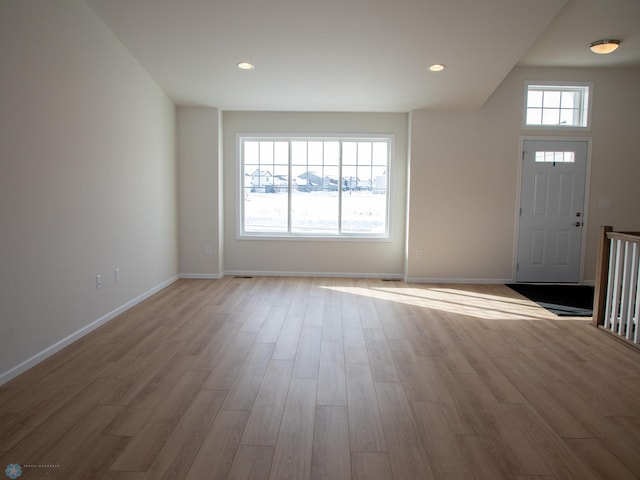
340,189
579,113
371,169
290,186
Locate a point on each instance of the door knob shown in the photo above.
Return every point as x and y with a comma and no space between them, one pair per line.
578,224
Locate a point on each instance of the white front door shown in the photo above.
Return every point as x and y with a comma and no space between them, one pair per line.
551,211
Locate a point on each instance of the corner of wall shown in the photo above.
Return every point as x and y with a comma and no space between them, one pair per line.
199,183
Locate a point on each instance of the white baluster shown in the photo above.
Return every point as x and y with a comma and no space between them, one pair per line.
625,290
616,286
608,305
634,303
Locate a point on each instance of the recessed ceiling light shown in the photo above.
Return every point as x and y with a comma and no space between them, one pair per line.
246,66
602,47
436,67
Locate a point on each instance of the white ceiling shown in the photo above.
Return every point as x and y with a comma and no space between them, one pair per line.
360,55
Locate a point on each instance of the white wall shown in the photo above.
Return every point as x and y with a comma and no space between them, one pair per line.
309,257
464,175
87,176
199,192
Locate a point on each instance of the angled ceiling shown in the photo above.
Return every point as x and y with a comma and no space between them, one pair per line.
564,43
360,55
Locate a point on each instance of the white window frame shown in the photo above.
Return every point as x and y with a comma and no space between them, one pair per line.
386,236
586,104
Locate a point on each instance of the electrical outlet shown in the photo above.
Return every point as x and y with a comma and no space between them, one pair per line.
98,281
207,250
419,253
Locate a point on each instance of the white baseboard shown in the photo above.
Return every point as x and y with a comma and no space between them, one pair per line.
480,281
56,347
390,276
262,273
205,276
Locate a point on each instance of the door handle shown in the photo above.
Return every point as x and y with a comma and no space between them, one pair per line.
578,224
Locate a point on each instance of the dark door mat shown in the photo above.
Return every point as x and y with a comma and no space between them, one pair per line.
563,300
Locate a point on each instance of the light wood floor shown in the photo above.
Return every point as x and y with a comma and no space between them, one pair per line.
298,378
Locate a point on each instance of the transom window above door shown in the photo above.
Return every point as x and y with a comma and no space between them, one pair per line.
556,106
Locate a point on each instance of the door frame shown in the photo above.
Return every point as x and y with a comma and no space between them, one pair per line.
585,215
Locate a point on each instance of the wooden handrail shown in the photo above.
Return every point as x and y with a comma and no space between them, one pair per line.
626,236
602,272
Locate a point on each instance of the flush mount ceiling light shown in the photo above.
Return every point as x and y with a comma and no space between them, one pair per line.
246,66
436,67
602,47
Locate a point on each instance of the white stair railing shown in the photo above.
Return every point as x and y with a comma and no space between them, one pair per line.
617,303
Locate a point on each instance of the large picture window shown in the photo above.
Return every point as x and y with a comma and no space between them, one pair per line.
314,187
